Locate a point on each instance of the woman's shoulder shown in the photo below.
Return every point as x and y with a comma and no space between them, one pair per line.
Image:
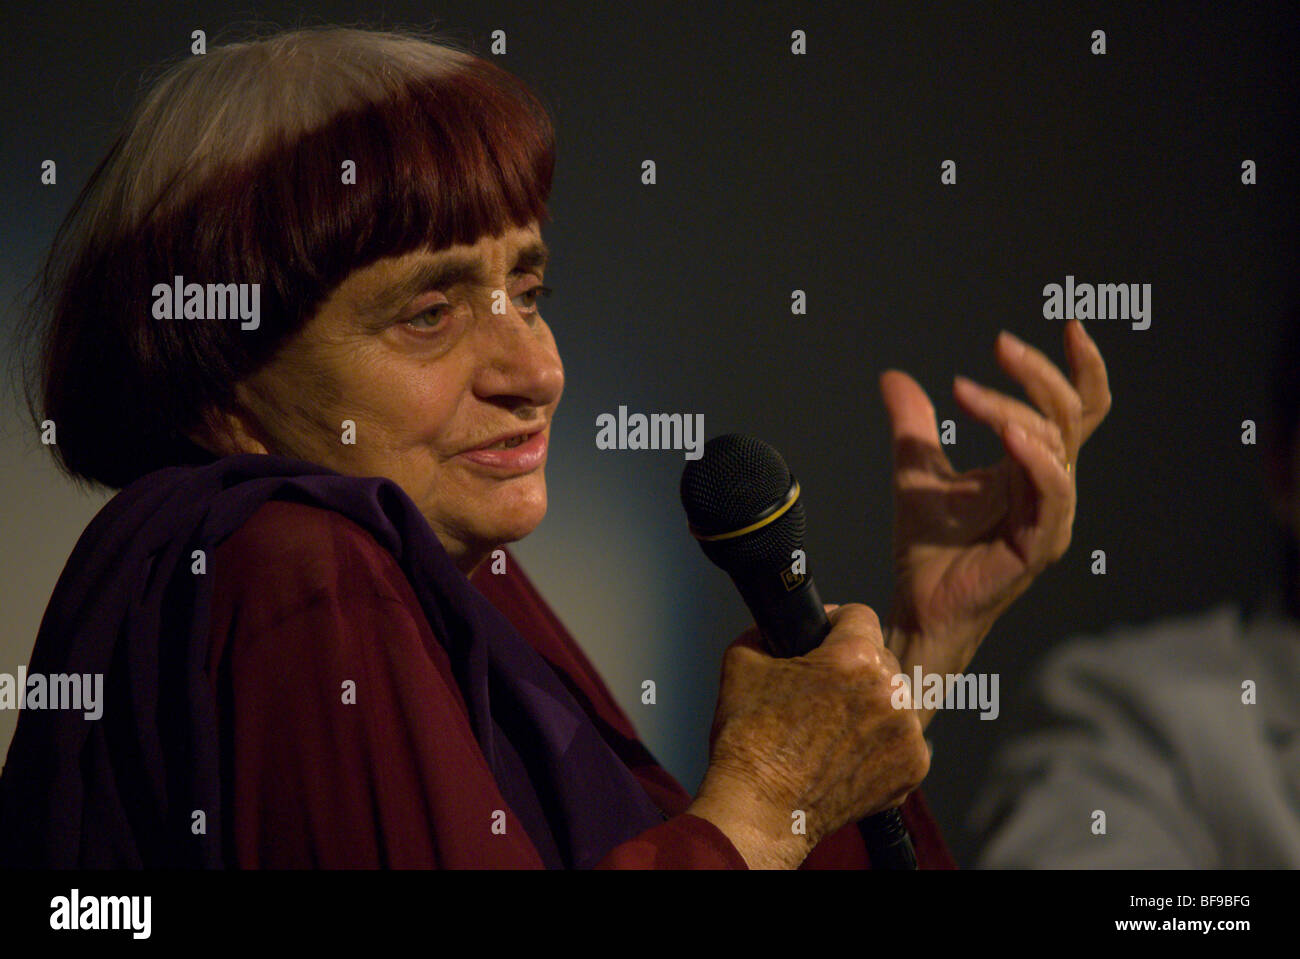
288,551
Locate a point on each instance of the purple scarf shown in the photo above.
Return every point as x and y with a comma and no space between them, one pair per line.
118,792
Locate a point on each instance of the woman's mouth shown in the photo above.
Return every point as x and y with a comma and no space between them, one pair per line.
508,444
519,454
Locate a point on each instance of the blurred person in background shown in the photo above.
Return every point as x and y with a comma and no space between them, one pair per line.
1184,733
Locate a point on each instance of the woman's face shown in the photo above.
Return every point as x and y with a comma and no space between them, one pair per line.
432,355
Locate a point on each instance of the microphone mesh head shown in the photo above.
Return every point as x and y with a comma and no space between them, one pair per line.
737,480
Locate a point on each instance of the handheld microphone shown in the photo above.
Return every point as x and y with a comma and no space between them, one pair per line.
743,506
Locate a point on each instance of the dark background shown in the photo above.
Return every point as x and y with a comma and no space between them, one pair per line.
821,173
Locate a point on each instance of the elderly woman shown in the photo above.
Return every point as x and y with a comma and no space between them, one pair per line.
294,319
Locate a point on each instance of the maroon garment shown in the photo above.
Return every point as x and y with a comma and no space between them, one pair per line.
309,610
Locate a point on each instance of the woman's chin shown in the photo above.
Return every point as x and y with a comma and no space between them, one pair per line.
510,514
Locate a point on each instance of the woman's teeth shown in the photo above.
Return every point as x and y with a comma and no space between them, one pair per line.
506,444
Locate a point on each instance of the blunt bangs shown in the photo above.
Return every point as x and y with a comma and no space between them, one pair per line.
415,157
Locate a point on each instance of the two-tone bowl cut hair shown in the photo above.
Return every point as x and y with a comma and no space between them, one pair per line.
230,170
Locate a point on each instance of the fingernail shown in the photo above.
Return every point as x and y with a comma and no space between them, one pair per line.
1017,433
1014,343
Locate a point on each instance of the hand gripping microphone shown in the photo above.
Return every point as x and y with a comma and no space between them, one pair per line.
742,503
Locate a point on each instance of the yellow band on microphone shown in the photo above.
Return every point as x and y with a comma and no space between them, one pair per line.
789,501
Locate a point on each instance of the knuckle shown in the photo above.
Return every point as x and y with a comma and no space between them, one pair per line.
871,619
880,702
856,657
917,753
920,766
859,642
860,615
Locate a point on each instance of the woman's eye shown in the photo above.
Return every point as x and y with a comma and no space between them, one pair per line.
428,320
433,316
531,296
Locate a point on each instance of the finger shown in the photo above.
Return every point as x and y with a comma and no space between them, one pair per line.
999,411
855,639
913,429
854,614
854,620
1046,386
1046,539
1088,371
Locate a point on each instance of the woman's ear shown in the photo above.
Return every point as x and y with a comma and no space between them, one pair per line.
231,432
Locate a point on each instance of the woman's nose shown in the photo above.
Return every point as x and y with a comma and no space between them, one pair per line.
518,358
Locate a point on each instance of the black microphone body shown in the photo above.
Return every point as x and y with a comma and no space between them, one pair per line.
792,623
744,508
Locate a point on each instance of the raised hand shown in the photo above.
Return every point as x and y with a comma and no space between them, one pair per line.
967,544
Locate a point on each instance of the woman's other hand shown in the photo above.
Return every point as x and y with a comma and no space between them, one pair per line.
967,544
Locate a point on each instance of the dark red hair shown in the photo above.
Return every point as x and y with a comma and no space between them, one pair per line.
440,159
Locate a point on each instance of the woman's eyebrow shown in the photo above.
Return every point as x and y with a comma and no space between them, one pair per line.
448,270
530,256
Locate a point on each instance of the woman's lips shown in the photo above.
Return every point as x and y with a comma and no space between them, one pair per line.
524,458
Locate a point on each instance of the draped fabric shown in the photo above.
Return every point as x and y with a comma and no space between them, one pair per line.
296,674
123,790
